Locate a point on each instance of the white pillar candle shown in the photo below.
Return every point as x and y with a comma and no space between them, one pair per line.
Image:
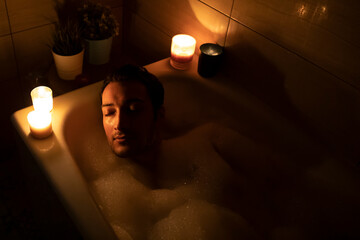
42,98
40,124
182,51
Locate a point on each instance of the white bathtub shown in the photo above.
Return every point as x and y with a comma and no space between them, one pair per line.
190,101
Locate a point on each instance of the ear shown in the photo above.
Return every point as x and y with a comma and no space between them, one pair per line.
159,122
161,113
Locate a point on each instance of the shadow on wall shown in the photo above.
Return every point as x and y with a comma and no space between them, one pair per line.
251,71
141,39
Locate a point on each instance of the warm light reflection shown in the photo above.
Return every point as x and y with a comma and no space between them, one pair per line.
313,13
207,19
45,146
323,9
302,11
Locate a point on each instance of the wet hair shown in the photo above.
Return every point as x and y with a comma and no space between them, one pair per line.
133,73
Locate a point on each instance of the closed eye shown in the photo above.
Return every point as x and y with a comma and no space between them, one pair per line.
136,107
108,112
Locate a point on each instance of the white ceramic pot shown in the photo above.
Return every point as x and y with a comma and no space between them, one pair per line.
98,51
68,67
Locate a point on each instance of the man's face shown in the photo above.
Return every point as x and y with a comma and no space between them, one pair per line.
128,118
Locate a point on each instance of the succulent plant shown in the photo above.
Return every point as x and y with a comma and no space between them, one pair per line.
67,39
97,21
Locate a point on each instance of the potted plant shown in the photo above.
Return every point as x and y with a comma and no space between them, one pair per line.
99,26
67,47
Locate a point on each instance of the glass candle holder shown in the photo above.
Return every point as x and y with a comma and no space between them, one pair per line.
210,59
182,51
40,124
42,99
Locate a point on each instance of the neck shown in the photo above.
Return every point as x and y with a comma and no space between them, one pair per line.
148,158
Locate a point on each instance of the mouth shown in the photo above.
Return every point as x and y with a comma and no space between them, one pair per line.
122,139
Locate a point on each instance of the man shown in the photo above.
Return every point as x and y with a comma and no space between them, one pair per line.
132,111
212,182
132,107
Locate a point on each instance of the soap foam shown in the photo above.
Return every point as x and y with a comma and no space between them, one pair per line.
214,183
191,182
197,219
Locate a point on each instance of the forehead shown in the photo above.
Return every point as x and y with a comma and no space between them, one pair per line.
124,90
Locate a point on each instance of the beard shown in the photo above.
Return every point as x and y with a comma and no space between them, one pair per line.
133,146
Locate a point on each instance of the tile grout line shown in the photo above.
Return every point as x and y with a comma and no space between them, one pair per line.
278,44
201,1
15,56
34,27
146,20
298,55
228,26
12,39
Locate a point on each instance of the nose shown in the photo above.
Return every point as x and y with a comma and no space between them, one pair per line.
122,121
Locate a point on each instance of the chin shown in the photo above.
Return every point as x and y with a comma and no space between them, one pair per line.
123,152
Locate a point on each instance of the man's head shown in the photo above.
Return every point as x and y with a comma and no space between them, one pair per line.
132,104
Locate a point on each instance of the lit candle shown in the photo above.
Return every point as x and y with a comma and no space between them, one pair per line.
42,98
40,124
182,51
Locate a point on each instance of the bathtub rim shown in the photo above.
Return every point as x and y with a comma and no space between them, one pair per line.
49,161
53,162
92,226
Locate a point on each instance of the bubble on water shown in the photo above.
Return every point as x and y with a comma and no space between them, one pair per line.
192,164
162,201
124,200
121,233
198,219
93,154
195,179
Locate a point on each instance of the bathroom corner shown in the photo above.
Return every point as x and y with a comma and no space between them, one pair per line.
301,58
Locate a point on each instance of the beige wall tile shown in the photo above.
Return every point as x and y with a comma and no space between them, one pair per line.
223,6
143,40
325,32
32,49
4,23
26,14
7,59
295,87
190,17
117,40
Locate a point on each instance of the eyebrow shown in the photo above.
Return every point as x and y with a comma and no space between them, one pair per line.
128,101
107,105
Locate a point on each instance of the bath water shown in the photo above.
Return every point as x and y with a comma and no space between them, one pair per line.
224,172
213,182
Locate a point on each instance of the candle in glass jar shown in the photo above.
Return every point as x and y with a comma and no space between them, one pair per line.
40,124
42,98
182,51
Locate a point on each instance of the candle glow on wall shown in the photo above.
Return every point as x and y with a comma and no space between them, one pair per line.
39,120
182,51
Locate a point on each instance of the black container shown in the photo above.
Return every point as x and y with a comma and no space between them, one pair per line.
210,59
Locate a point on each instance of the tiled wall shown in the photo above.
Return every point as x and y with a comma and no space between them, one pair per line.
25,36
302,57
